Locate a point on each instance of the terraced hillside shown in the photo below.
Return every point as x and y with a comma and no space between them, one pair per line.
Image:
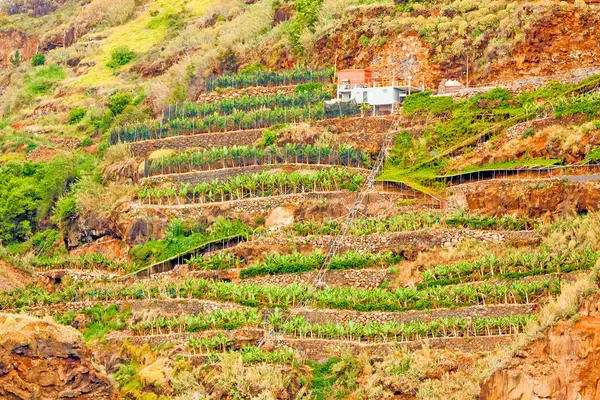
176,187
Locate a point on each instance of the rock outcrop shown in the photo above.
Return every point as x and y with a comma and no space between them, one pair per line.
43,361
12,40
564,365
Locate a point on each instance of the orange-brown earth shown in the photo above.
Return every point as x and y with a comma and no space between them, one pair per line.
44,361
562,365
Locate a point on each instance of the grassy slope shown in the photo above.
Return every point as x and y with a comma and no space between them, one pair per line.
139,34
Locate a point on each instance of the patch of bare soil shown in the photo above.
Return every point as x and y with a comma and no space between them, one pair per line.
12,278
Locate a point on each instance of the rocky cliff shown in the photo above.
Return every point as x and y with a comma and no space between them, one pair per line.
43,361
563,365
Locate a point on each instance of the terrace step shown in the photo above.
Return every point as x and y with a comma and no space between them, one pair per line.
181,307
195,177
317,349
310,348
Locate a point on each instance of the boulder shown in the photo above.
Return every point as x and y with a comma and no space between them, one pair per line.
43,361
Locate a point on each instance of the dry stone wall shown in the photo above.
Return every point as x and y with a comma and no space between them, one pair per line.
364,278
204,140
318,349
342,316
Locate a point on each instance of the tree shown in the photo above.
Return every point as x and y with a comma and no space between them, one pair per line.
15,58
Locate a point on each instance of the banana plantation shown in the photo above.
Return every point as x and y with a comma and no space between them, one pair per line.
393,331
263,184
519,264
243,156
248,103
270,78
239,120
345,298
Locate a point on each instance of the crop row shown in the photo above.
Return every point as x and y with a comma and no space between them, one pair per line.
514,265
242,156
269,78
411,222
261,184
350,330
248,103
401,299
237,121
294,263
90,261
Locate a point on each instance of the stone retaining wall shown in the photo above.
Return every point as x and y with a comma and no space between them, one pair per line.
359,278
408,242
263,205
203,140
318,349
341,316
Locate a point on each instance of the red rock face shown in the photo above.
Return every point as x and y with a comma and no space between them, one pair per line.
43,361
565,365
13,40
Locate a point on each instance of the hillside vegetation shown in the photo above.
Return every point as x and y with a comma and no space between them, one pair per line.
176,185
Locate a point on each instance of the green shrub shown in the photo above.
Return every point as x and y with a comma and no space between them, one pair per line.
364,41
269,137
309,87
120,56
38,59
43,80
252,68
528,133
424,101
86,142
28,192
118,101
66,208
76,115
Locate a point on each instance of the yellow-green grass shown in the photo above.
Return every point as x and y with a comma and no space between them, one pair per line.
139,34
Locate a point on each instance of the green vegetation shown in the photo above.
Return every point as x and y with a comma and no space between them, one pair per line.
402,299
239,120
28,192
76,115
294,263
228,106
393,331
460,123
412,222
511,266
220,319
182,237
119,57
268,78
216,262
43,80
90,261
99,322
38,59
241,156
262,184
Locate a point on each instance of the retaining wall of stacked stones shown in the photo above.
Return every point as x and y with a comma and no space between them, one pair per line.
317,349
359,278
203,140
341,316
265,204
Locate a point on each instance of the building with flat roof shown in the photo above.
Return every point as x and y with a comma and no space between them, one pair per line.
359,85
